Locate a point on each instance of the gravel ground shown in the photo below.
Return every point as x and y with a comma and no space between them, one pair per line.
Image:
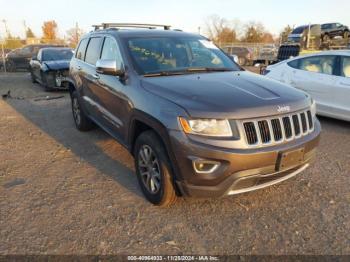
66,192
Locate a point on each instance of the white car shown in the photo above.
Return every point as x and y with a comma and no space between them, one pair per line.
325,76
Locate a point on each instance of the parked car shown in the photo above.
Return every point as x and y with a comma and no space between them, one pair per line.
268,52
196,123
50,67
325,76
332,30
19,58
245,55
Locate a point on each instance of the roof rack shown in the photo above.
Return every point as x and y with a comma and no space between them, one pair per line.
129,25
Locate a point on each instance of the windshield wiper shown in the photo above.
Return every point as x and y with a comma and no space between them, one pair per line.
165,73
209,69
189,70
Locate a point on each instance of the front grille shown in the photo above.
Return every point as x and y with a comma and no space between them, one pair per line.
250,132
278,129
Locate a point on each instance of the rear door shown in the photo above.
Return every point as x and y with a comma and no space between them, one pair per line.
341,94
315,75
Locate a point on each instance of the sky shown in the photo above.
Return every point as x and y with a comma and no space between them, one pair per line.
187,15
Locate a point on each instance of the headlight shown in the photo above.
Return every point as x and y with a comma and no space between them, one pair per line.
58,79
207,127
313,107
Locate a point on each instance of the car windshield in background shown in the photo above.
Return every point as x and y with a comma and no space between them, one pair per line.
299,30
172,55
59,54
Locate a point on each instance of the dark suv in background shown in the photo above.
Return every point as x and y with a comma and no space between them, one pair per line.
332,30
195,122
20,58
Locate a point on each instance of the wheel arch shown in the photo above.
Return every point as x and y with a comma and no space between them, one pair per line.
141,122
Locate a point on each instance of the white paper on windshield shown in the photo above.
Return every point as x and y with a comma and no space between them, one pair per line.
208,44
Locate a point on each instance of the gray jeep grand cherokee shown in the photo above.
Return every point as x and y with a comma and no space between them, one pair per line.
196,123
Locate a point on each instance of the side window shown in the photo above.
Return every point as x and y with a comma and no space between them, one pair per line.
319,64
93,50
39,55
111,50
294,64
345,66
80,54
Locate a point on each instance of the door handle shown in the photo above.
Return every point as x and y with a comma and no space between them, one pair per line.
96,76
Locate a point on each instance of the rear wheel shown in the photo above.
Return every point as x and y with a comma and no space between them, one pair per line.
241,61
82,122
153,170
326,38
10,66
32,77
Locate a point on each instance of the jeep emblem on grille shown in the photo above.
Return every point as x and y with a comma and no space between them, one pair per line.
282,109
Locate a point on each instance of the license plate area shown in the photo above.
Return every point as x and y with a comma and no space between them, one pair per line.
290,159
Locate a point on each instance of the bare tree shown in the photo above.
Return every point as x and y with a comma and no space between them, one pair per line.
220,30
74,35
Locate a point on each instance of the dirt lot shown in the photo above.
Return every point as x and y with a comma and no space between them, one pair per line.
66,192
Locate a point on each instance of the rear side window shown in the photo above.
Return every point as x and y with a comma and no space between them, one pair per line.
294,64
345,66
319,64
80,54
93,51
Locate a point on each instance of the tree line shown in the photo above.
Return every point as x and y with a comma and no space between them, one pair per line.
49,36
222,31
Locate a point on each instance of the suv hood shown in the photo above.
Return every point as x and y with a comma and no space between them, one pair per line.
235,95
58,64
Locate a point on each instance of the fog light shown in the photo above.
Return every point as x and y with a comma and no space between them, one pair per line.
205,166
58,80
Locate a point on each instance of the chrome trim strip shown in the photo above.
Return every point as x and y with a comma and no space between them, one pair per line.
280,119
244,190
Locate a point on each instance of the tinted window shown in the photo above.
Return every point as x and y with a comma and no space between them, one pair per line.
111,50
80,54
299,30
294,64
319,64
345,66
93,50
161,54
56,54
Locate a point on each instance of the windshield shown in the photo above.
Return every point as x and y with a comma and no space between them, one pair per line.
170,54
299,30
58,54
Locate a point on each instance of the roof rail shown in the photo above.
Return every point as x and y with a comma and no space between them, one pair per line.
129,25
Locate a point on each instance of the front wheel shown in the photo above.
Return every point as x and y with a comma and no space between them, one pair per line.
153,170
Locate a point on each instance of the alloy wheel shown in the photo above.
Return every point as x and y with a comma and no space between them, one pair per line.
149,169
76,111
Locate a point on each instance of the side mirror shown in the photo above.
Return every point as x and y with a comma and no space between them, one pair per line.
234,58
109,67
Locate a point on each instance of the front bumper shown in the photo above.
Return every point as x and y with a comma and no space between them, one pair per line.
240,170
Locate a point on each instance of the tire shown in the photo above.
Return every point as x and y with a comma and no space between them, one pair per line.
241,61
10,66
32,77
326,38
81,120
44,82
153,168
